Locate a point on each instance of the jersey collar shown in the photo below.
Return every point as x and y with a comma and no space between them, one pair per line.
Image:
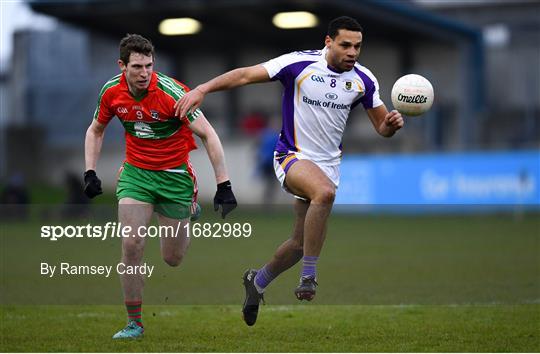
323,52
151,87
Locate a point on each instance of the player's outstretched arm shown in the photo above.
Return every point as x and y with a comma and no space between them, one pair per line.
234,78
224,197
385,123
92,149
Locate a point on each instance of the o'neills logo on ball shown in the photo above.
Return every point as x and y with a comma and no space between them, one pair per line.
412,95
412,99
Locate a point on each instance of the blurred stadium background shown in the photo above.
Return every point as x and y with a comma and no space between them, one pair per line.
463,282
481,56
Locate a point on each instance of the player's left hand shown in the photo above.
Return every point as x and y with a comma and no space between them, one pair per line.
224,198
394,120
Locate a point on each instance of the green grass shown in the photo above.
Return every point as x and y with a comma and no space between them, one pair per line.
387,283
41,193
280,329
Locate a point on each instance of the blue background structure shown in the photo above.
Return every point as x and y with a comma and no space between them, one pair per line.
490,179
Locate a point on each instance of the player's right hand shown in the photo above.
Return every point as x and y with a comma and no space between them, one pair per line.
92,184
189,102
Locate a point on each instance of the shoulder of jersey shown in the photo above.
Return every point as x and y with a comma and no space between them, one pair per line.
113,80
165,81
365,70
109,85
300,56
312,55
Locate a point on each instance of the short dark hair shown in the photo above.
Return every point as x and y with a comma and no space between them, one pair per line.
343,22
135,43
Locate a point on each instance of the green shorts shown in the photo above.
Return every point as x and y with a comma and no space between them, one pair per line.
171,193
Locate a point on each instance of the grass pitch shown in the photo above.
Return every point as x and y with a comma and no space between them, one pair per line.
387,283
301,328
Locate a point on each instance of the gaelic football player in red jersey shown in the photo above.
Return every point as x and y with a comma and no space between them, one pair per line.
156,175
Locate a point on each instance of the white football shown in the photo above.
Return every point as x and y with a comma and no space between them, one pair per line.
412,95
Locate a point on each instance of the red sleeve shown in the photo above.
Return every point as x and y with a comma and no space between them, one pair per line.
185,120
104,112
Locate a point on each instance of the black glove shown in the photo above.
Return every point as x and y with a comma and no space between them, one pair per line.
224,198
92,184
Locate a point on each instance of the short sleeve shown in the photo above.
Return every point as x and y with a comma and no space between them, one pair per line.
104,112
375,100
191,117
179,89
288,65
371,97
275,66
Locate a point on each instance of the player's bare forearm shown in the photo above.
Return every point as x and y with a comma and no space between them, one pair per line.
231,79
235,78
213,147
385,123
92,144
217,157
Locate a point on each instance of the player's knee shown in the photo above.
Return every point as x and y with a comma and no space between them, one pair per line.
173,260
325,195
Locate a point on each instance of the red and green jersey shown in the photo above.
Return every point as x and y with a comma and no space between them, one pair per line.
155,138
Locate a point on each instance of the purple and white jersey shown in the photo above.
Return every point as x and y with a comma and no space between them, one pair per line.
317,101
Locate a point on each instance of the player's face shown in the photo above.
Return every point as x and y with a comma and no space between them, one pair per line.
138,72
344,49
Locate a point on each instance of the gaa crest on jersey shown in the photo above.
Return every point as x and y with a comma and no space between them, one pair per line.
348,85
154,114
